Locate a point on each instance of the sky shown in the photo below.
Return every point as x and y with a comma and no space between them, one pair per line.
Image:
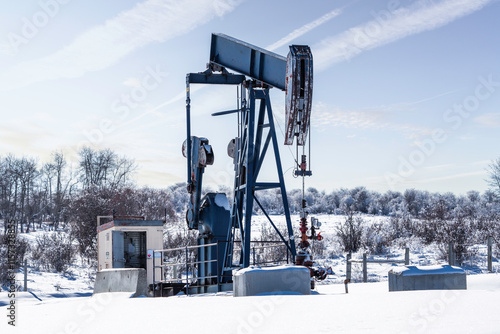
406,93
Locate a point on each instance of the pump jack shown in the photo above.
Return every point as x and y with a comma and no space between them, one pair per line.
258,71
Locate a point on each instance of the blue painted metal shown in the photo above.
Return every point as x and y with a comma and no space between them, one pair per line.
251,153
293,74
284,195
250,181
200,155
250,60
208,77
213,225
197,149
227,112
266,185
188,128
255,134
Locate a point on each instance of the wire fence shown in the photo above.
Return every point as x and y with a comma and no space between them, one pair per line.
473,258
181,265
365,261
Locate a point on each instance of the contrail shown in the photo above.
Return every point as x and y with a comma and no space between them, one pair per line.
283,41
102,46
422,16
304,29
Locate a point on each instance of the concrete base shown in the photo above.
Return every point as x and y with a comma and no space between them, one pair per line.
122,280
427,278
272,280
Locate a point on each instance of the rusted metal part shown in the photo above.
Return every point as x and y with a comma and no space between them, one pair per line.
105,226
304,257
128,217
347,281
127,221
299,86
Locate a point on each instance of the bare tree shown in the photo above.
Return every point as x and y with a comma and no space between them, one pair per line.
494,177
6,191
23,172
9,187
104,169
104,179
58,184
47,174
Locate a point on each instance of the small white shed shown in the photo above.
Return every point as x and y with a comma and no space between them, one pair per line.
128,242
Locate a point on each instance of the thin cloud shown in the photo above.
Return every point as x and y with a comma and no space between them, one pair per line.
5,49
304,29
450,177
133,82
481,162
102,46
376,118
445,166
489,120
422,16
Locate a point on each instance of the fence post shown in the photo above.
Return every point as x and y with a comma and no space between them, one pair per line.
218,269
187,273
253,248
365,269
451,254
154,276
407,256
348,267
25,275
490,254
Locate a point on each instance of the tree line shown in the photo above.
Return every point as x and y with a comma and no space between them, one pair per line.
62,197
463,220
66,197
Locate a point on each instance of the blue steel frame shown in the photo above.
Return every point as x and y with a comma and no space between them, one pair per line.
249,159
267,69
251,151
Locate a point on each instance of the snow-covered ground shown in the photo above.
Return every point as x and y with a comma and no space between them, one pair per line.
367,308
77,281
58,303
79,278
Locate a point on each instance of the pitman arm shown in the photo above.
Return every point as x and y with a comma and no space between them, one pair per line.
201,156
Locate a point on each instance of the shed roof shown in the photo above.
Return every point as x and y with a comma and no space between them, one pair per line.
129,222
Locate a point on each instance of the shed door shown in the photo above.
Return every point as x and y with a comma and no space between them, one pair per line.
135,249
118,249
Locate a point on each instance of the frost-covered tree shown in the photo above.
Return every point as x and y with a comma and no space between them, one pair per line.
52,252
414,201
361,199
180,196
494,176
351,231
